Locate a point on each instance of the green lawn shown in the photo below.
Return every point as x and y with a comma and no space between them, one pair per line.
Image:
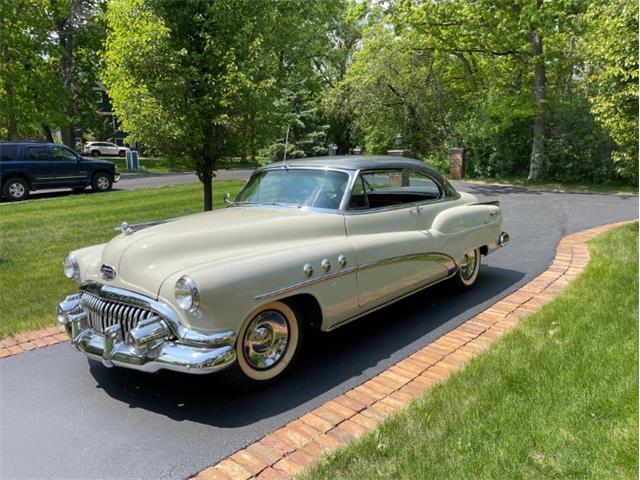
555,398
615,188
36,235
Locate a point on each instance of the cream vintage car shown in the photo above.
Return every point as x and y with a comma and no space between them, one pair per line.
311,243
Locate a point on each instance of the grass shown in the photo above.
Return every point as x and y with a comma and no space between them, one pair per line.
157,165
555,398
615,188
36,235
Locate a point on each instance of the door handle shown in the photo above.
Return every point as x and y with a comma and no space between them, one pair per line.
416,210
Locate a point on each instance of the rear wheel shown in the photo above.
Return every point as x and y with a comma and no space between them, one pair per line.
15,189
122,153
268,343
95,153
469,269
101,182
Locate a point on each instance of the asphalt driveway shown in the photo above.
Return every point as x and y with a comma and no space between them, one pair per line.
64,417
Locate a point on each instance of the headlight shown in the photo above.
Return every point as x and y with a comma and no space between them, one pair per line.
70,266
186,293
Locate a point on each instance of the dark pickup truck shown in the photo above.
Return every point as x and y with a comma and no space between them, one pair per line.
28,166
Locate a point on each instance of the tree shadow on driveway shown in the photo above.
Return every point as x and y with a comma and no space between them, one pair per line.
330,364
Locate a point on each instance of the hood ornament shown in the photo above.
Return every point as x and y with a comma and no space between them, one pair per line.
128,229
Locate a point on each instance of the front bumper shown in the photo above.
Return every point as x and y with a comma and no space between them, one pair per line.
150,346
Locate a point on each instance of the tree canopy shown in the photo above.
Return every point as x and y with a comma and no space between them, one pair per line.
538,88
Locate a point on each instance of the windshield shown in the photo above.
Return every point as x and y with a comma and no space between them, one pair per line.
295,186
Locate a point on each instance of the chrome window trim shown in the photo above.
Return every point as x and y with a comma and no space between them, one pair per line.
341,206
441,188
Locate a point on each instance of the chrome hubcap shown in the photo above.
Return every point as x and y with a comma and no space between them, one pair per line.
266,340
16,190
468,266
103,183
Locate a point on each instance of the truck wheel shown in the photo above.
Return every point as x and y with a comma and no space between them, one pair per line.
15,189
95,153
268,343
468,272
101,182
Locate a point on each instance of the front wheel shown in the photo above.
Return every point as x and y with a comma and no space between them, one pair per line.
101,182
122,153
268,343
95,153
469,269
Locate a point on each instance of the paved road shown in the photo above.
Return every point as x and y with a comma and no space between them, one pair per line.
62,417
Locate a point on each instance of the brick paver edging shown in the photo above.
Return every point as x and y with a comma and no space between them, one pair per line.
289,450
292,448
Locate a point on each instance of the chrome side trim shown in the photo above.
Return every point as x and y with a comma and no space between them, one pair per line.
434,256
185,335
405,295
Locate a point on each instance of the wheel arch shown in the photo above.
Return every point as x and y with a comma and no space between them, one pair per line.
9,176
308,306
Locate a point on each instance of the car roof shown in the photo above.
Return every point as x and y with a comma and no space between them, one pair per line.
31,142
356,162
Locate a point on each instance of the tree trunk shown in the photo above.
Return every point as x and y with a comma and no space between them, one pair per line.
207,182
66,67
46,129
537,151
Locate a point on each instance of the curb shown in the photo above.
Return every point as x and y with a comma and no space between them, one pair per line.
291,449
24,342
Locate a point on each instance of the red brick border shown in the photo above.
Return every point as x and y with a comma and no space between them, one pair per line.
291,449
23,342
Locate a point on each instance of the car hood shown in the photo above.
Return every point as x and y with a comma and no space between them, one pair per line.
97,163
145,258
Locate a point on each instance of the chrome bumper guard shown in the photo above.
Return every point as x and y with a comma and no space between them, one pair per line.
152,345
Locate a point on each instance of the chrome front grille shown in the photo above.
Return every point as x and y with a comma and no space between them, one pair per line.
105,313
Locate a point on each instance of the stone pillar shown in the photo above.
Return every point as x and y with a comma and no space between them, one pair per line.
399,153
457,163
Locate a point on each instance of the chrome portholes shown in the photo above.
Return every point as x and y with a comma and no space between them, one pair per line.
307,270
325,264
266,340
342,261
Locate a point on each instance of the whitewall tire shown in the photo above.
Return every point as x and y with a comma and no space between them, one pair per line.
468,270
267,345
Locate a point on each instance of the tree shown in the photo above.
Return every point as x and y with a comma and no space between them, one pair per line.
48,67
610,49
186,78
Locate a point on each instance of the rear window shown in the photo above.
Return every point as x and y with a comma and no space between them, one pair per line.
8,152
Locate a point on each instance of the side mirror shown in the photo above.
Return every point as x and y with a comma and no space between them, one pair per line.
227,198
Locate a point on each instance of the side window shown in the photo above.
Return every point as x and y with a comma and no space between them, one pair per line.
358,200
8,153
36,153
385,188
61,154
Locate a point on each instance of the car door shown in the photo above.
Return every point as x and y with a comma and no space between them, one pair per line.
110,148
66,167
38,163
388,220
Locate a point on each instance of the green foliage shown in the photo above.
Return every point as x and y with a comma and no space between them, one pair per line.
610,47
48,65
